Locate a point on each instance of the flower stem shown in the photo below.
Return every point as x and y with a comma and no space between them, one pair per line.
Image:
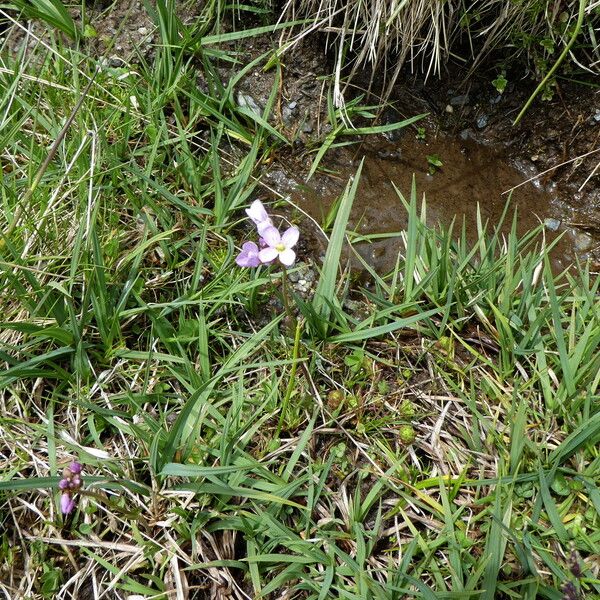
291,318
292,381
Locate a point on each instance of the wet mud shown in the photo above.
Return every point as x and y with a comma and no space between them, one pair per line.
472,179
468,156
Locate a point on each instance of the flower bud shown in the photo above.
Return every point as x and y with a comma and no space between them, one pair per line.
407,434
335,398
407,409
75,467
67,504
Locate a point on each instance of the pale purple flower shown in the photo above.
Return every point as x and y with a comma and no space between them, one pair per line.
259,216
279,246
248,257
67,504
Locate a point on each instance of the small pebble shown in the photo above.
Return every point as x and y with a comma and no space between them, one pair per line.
247,101
377,253
389,154
482,121
302,286
583,242
287,114
307,127
552,224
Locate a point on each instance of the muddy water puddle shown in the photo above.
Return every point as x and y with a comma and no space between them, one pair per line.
456,176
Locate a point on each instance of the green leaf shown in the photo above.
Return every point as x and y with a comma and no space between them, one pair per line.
180,470
373,332
53,12
500,83
233,36
325,293
243,492
30,483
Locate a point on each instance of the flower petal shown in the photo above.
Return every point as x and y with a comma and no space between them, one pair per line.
287,257
290,237
257,212
241,260
267,255
245,259
66,504
249,247
271,236
260,227
248,257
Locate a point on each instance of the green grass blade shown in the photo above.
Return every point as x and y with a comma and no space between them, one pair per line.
325,293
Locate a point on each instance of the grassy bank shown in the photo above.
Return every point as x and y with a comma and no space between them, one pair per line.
431,435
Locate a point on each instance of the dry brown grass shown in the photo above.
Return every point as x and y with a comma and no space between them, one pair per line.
385,35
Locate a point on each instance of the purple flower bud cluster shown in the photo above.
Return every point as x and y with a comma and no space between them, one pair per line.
69,485
271,244
569,589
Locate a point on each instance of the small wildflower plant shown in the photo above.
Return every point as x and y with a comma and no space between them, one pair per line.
69,485
272,245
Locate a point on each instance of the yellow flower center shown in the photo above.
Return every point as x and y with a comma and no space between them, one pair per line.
280,247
